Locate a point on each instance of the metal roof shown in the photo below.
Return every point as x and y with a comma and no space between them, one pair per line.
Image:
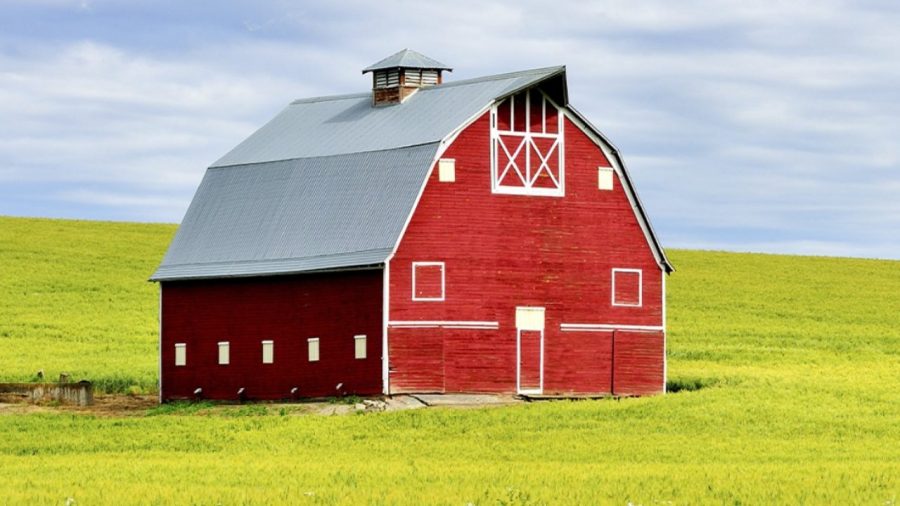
297,215
342,124
407,58
330,182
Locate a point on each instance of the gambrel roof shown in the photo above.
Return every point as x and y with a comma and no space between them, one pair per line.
330,182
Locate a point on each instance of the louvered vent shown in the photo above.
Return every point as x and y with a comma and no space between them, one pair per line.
429,77
387,78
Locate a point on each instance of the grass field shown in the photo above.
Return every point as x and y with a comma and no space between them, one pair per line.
798,359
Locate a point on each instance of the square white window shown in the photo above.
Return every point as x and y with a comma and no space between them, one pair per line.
428,281
180,354
268,352
627,289
446,170
605,178
224,353
312,345
360,347
530,318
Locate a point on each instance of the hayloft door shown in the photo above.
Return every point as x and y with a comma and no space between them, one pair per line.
530,350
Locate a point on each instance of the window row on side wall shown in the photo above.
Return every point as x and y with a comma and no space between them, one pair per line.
268,351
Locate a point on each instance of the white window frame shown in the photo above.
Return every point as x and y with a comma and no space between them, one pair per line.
271,357
365,351
443,281
605,174
310,357
528,179
640,274
224,346
180,354
447,170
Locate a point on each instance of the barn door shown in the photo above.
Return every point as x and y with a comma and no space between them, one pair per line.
530,366
529,350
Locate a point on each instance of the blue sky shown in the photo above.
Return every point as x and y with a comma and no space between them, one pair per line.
747,126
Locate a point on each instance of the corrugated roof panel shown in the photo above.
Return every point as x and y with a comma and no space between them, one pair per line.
350,124
297,215
407,58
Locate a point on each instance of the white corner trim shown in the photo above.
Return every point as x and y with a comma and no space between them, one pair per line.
640,274
160,351
443,281
665,338
385,314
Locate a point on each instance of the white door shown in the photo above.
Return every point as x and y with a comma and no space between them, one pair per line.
529,350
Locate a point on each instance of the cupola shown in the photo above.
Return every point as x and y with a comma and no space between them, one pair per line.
398,76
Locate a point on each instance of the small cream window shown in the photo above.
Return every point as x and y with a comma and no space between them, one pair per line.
447,170
180,354
360,346
268,352
312,345
530,318
224,353
605,178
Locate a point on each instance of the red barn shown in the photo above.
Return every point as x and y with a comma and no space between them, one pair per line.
469,236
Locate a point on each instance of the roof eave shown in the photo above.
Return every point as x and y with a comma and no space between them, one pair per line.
663,258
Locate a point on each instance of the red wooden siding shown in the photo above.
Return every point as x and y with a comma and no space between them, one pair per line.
578,362
287,310
638,363
503,251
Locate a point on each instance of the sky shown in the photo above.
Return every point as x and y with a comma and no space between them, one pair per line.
767,126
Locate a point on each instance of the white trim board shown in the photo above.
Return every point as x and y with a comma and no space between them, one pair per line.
607,327
447,324
385,315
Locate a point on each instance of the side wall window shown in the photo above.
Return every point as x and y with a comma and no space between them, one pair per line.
428,281
268,352
312,349
627,289
224,353
359,347
180,354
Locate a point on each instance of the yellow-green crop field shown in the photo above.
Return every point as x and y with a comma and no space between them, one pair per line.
797,360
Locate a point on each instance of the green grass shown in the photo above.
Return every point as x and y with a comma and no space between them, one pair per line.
788,371
74,298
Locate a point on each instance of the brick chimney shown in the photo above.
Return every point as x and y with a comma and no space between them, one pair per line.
398,76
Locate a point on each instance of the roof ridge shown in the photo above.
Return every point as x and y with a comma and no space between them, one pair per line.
463,82
497,77
329,98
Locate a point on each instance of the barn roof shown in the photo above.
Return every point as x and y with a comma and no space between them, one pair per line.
407,58
342,124
330,182
327,184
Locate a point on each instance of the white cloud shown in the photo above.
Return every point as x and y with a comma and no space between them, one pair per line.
737,119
